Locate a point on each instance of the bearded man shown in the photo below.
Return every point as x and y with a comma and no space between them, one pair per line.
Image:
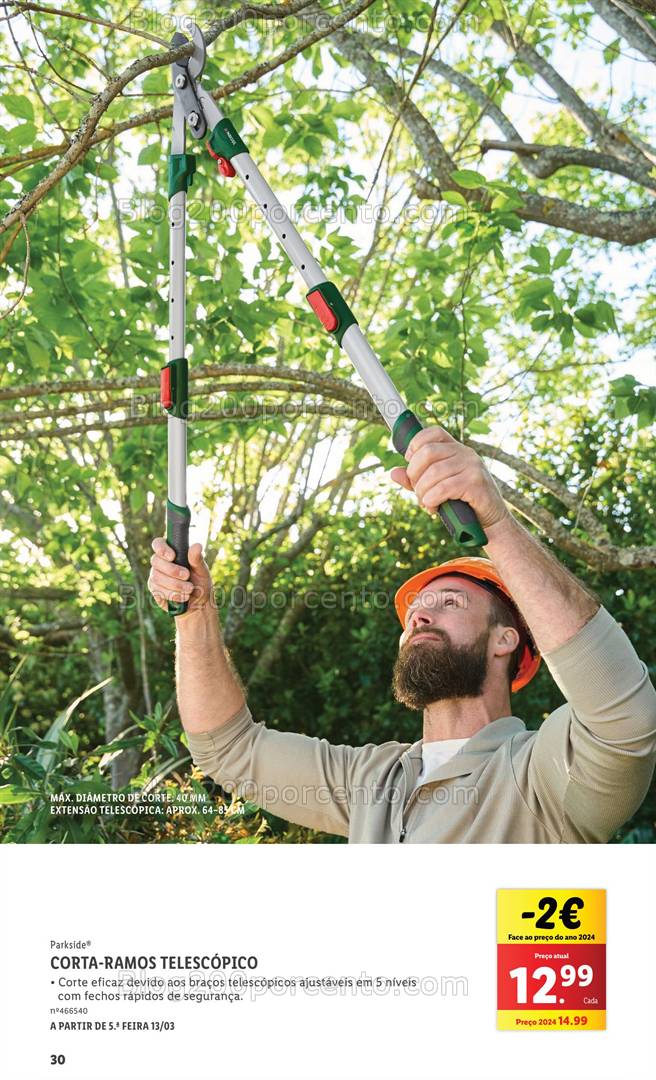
473,631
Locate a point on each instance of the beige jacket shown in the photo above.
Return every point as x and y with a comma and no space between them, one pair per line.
575,780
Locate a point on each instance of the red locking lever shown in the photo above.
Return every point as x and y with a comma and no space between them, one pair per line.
323,310
165,390
224,165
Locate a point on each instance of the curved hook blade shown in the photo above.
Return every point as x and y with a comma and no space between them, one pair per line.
196,61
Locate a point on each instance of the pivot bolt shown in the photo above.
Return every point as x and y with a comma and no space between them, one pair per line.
180,81
193,119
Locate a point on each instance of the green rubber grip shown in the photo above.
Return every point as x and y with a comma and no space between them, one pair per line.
177,536
457,516
461,522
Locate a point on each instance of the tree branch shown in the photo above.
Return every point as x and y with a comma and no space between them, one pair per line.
82,138
625,227
559,490
21,6
52,631
547,159
27,522
272,651
324,384
449,74
605,134
647,7
37,593
631,26
257,386
26,270
601,556
258,410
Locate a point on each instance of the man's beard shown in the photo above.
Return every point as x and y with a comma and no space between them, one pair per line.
428,671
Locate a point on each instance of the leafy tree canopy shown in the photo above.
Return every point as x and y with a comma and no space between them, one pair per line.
479,179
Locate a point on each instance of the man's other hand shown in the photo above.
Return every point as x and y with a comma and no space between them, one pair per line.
440,468
168,581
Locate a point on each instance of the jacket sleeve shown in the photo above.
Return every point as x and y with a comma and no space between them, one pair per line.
302,779
589,766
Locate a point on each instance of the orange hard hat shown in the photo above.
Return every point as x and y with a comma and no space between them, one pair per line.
484,573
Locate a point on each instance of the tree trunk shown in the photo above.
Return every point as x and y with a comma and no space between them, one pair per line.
118,698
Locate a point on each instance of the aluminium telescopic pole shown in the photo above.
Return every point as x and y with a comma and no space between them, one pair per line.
174,375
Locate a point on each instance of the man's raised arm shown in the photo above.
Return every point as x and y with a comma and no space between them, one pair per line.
209,690
303,779
589,767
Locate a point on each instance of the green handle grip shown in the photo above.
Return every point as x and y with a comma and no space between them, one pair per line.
457,516
177,536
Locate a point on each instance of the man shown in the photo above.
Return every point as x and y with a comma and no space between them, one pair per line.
472,628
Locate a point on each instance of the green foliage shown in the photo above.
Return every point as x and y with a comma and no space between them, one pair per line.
490,326
42,776
632,399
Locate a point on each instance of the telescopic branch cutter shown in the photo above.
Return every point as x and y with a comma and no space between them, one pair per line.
195,110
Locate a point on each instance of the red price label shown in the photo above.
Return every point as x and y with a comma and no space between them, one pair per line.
537,978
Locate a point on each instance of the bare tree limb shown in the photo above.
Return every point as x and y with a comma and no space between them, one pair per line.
608,136
47,108
94,20
272,651
120,235
154,116
423,60
322,383
627,227
37,593
52,633
547,159
449,74
630,25
256,410
601,556
138,403
81,140
26,270
28,523
647,7
9,242
49,630
559,490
